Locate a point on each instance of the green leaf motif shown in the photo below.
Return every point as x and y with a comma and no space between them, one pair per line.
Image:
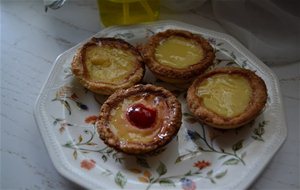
220,175
237,146
223,156
209,172
104,158
161,169
257,138
232,161
188,173
232,55
91,143
57,120
81,106
120,180
167,182
75,155
178,159
259,131
67,105
151,179
223,49
142,162
127,35
212,180
222,149
230,63
187,114
80,139
193,135
243,155
68,144
244,64
106,172
109,151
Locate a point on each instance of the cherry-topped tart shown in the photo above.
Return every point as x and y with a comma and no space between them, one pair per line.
139,119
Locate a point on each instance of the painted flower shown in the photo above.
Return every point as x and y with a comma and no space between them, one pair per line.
212,40
74,96
193,135
87,164
187,184
145,178
202,164
62,129
63,92
91,119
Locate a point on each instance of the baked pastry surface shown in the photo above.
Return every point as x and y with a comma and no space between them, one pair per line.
177,56
227,97
104,65
139,119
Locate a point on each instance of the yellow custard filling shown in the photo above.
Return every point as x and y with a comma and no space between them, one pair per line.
178,52
224,94
126,132
111,65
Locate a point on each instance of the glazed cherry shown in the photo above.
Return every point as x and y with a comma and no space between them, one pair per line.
141,116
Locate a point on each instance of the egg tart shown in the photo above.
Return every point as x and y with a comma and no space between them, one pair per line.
177,56
104,65
139,119
227,97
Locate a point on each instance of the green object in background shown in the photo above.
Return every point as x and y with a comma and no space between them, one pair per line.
118,12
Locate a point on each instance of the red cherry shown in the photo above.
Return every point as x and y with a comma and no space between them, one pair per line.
141,116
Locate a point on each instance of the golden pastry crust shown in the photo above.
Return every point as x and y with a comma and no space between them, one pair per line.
256,104
176,75
166,132
79,67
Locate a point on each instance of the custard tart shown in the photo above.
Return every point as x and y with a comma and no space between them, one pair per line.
139,119
104,65
177,56
227,97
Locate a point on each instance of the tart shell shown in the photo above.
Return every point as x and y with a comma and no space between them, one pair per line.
256,104
176,75
169,130
79,68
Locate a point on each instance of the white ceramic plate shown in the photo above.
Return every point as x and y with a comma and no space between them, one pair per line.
200,157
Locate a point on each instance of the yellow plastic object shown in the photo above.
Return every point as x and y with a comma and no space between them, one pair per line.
226,95
118,12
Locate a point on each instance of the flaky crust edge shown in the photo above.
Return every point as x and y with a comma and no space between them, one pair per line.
79,72
174,74
256,105
139,148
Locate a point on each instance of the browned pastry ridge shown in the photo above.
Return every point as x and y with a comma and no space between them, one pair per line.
177,75
80,71
166,129
256,104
